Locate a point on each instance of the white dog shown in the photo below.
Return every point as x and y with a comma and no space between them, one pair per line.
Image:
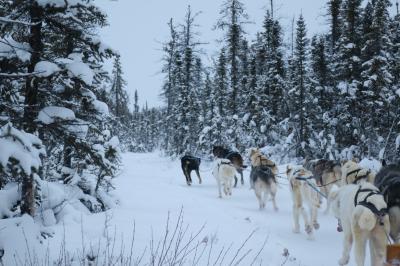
224,172
301,181
352,173
361,210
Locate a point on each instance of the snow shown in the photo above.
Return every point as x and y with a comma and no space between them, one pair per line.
9,196
100,107
397,142
371,164
59,3
10,48
24,147
77,68
46,69
52,114
151,187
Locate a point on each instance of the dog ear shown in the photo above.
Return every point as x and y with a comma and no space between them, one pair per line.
355,159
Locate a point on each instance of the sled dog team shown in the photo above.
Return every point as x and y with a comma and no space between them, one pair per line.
366,205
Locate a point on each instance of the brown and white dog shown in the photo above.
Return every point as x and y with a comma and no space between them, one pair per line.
363,215
326,173
301,181
264,183
224,172
259,159
235,158
353,173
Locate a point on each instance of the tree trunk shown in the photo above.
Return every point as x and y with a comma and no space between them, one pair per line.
31,100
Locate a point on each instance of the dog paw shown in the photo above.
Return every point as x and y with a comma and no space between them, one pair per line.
344,261
316,225
308,229
276,209
296,230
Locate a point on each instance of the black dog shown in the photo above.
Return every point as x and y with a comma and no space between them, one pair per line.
388,182
235,158
190,163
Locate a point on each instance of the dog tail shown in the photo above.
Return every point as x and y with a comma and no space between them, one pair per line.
367,220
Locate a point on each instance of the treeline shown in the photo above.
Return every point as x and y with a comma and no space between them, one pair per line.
334,96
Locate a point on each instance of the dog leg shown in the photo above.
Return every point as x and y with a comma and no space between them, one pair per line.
187,176
296,216
378,242
273,189
236,179
360,241
219,188
307,222
394,217
347,243
198,175
257,191
314,217
241,176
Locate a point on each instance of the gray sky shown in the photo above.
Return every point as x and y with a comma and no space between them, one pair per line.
137,28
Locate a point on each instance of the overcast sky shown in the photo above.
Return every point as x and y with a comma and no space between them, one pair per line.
138,27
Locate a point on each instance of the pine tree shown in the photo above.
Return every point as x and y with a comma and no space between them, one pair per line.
300,86
233,16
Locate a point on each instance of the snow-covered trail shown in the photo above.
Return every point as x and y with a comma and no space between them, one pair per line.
151,186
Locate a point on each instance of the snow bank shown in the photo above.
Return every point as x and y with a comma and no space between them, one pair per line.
51,114
9,196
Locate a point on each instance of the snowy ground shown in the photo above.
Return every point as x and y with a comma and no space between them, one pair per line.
148,189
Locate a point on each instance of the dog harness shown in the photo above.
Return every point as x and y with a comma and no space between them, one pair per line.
357,177
378,213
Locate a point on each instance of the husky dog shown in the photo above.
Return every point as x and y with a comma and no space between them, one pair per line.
190,163
352,173
362,212
301,181
264,183
326,173
257,159
388,181
235,158
224,173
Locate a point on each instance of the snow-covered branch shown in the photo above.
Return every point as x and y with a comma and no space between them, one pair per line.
7,20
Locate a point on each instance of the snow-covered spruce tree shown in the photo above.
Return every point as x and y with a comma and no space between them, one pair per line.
376,91
322,115
348,69
233,16
300,88
169,68
335,23
63,76
118,100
